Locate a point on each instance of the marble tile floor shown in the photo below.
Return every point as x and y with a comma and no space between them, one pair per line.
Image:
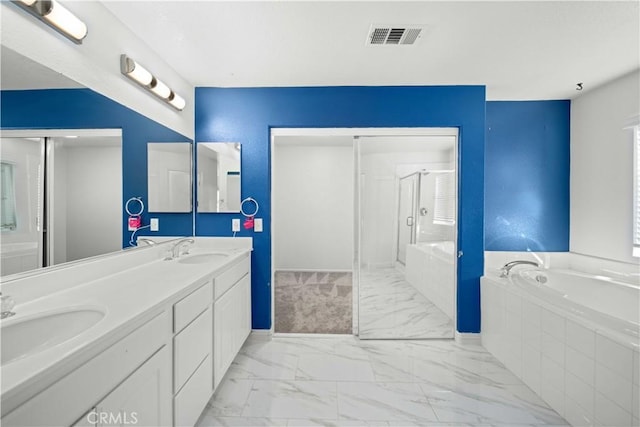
344,381
391,308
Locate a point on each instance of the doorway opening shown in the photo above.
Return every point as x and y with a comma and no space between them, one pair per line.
357,213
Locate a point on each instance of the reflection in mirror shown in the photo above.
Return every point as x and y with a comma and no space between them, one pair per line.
218,177
55,189
169,176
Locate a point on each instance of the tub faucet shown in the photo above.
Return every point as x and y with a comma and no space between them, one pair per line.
7,303
175,252
508,266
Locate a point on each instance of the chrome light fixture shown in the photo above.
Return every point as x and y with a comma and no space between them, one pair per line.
57,17
144,78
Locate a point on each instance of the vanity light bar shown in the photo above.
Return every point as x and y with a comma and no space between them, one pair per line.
57,17
144,78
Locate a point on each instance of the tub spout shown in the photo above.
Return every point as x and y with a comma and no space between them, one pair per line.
506,269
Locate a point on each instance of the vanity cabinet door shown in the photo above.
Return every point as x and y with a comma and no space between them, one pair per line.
143,399
224,314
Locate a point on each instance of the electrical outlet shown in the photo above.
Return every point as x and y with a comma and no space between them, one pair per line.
257,225
155,224
235,224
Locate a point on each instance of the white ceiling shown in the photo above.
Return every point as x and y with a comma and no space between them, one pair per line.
519,50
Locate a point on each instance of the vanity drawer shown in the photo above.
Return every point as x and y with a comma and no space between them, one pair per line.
227,279
192,399
191,346
189,307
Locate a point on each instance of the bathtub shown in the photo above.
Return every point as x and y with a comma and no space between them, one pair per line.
572,337
430,269
602,301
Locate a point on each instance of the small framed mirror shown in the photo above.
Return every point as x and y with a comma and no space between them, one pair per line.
219,176
169,176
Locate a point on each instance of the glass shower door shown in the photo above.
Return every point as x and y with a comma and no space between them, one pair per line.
406,215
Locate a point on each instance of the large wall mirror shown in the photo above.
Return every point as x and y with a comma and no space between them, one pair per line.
219,176
169,176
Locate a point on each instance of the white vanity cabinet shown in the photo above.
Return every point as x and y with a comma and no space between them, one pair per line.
134,372
192,368
143,399
232,316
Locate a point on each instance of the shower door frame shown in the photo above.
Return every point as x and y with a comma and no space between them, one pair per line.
414,212
355,133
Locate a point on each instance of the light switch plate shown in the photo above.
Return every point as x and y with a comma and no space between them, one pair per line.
235,224
257,225
155,224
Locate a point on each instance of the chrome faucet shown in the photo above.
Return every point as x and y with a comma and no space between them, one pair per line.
175,252
6,305
506,269
146,240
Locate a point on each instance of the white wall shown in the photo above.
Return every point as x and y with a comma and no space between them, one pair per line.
312,196
169,177
96,62
94,200
602,168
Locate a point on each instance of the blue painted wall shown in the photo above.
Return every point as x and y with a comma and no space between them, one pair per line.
246,115
86,109
527,176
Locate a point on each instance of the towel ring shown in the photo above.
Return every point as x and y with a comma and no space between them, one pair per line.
249,200
134,199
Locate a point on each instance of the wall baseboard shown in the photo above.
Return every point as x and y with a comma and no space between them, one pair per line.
261,332
466,338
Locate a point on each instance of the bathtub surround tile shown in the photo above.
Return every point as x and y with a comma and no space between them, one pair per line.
552,384
635,393
383,401
553,348
292,399
617,388
580,393
577,415
613,355
553,324
581,339
607,413
581,366
636,367
313,302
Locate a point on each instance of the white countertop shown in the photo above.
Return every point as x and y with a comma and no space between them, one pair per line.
129,298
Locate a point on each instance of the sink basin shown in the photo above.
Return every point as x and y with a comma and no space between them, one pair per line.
202,258
29,336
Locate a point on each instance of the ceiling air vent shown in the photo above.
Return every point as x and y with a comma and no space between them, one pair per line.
393,35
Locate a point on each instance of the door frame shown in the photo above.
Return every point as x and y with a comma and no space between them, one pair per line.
355,133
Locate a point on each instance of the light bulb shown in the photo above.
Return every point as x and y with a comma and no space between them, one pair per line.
28,2
161,89
140,74
66,21
177,101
